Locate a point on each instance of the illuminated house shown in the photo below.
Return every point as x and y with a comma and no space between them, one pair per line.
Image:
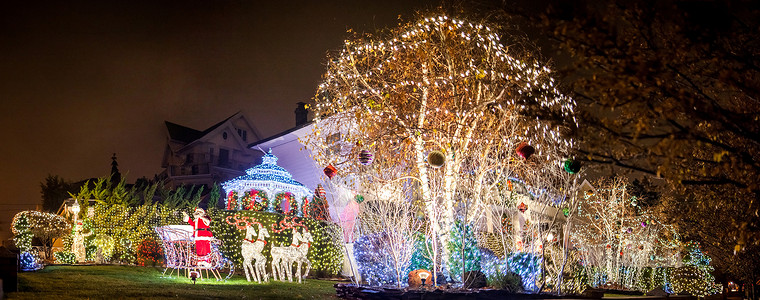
271,180
219,153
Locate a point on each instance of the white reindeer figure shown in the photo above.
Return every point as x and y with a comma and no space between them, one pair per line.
300,253
260,259
279,255
291,254
248,250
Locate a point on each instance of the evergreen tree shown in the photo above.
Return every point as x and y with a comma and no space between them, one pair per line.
695,276
463,247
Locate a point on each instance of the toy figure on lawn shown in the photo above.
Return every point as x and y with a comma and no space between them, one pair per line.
203,235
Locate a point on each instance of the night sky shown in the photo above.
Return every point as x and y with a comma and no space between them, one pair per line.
81,81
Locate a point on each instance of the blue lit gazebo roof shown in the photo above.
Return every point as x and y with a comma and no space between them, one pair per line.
268,177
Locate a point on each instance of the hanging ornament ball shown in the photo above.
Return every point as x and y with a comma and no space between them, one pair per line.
524,150
321,192
330,171
359,199
365,157
436,159
644,224
566,211
522,207
629,230
572,166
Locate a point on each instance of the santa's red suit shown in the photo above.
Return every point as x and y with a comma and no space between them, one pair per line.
202,234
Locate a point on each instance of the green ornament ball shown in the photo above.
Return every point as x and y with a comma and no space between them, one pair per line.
572,166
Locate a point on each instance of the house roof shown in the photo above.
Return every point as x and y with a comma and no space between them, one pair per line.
186,134
281,134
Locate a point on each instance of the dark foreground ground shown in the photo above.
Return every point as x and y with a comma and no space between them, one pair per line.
119,282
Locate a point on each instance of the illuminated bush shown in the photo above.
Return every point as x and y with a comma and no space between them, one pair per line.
149,253
65,257
374,260
29,262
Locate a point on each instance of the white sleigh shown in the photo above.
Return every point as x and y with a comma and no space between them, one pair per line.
179,253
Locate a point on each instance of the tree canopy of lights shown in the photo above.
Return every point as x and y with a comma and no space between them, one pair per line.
673,90
44,226
448,87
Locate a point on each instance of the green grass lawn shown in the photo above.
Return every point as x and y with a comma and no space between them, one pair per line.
109,282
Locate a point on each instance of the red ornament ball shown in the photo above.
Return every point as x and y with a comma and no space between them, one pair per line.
524,150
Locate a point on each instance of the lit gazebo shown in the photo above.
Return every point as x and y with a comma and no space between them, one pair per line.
267,187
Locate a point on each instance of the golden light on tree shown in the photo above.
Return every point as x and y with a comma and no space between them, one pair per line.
440,85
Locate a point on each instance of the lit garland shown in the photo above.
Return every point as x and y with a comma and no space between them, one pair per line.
254,200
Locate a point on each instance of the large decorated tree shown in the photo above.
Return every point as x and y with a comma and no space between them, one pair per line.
443,106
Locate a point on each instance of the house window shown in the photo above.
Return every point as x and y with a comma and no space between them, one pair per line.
189,158
245,135
224,135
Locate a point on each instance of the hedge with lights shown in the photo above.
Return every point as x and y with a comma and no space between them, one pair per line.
120,229
325,252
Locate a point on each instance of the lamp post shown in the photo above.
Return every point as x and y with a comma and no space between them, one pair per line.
75,210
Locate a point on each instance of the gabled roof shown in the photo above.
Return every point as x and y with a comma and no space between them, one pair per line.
186,134
279,135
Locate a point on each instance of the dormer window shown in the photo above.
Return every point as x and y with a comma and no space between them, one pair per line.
243,134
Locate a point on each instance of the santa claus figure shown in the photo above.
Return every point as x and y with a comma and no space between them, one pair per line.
202,234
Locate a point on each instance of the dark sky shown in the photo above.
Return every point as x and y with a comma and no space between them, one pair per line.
82,80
